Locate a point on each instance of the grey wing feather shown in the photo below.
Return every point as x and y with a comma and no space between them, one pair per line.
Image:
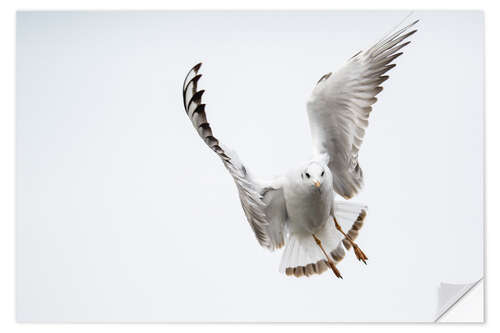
340,105
263,204
276,212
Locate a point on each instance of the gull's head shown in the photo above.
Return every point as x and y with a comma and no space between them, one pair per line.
314,174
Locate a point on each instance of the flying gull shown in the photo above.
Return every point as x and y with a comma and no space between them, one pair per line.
299,208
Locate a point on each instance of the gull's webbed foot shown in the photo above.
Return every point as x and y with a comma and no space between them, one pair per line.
357,251
359,254
334,269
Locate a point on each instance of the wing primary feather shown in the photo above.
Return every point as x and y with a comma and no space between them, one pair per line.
393,50
394,35
193,81
392,43
195,99
387,60
379,72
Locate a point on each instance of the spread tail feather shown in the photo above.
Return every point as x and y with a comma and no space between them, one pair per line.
303,257
351,217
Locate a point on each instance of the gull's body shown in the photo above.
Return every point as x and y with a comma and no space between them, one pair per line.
299,207
309,207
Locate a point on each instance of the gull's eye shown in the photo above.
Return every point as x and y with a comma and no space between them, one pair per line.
308,175
323,173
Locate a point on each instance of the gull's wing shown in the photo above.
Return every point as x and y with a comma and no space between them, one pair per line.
340,105
263,203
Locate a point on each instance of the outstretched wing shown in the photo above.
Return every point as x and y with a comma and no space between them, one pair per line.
340,105
263,204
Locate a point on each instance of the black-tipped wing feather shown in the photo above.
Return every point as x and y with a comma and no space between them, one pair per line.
262,204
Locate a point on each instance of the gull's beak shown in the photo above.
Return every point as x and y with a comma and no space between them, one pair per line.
317,184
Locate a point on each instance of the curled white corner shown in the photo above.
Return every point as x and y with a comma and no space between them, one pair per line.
450,294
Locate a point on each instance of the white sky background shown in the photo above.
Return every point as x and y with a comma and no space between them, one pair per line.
124,215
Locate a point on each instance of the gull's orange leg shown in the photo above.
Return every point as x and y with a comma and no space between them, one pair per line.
330,261
359,254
